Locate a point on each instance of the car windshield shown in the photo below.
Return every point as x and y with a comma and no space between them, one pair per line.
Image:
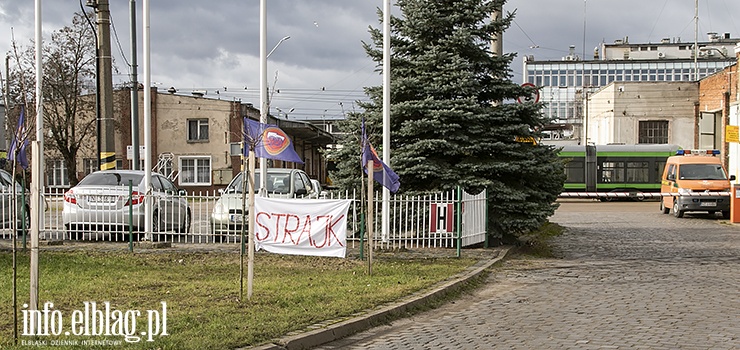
701,172
276,183
110,179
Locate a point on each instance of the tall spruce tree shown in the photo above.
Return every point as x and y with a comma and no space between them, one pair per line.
455,116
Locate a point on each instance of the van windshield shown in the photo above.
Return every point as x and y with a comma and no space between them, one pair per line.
701,172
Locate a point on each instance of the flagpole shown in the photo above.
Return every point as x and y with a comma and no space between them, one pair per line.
250,264
37,219
370,209
241,232
263,89
148,222
386,111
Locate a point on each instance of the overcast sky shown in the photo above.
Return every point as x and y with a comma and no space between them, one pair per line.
214,45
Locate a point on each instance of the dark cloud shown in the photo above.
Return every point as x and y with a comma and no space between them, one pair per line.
196,43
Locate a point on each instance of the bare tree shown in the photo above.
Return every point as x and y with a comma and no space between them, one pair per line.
67,88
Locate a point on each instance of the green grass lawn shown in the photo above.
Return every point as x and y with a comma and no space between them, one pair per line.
201,292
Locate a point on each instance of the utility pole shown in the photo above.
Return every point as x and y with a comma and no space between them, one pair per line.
497,42
107,156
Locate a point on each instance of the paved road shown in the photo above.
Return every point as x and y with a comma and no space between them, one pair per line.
627,277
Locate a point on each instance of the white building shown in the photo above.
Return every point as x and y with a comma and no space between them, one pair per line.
643,112
564,82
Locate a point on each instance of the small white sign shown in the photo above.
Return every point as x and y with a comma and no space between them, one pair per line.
130,152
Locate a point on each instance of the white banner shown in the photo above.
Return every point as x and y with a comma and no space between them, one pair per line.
301,226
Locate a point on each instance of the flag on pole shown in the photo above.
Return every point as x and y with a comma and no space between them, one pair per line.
269,142
19,136
382,173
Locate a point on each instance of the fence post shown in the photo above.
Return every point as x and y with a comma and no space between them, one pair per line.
458,217
24,229
362,234
485,215
130,216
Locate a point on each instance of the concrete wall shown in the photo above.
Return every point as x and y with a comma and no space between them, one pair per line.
615,111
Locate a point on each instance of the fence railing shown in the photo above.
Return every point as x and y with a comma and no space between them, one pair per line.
448,220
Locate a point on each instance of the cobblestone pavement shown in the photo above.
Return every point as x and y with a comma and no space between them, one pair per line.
626,277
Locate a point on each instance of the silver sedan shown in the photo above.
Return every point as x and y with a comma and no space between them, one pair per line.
102,201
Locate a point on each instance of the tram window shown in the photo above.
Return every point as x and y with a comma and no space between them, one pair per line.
658,171
638,172
574,172
612,172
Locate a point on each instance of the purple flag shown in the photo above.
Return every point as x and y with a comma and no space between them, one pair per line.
19,134
382,173
269,142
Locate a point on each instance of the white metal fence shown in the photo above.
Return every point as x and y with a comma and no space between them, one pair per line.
458,217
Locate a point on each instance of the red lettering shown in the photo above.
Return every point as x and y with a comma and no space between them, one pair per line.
277,225
266,230
289,232
306,230
330,229
326,233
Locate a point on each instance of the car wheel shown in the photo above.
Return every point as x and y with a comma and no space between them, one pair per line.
676,211
185,228
663,208
725,214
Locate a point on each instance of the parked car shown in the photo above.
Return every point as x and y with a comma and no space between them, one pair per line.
7,200
228,213
101,202
319,190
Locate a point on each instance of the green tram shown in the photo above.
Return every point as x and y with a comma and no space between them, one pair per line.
615,168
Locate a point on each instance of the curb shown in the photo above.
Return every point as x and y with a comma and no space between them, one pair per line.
331,332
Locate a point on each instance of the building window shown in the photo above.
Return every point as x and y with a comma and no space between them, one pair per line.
197,130
653,131
56,172
709,123
90,165
195,171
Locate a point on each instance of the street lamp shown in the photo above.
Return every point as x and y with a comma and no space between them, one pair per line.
280,111
276,46
264,103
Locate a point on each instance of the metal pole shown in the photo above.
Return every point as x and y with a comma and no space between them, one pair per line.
250,264
147,121
37,166
134,92
458,225
370,209
696,39
386,112
244,219
263,88
130,216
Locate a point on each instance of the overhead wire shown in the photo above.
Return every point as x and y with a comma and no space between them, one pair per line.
118,44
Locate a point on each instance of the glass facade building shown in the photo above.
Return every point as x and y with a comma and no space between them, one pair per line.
563,82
